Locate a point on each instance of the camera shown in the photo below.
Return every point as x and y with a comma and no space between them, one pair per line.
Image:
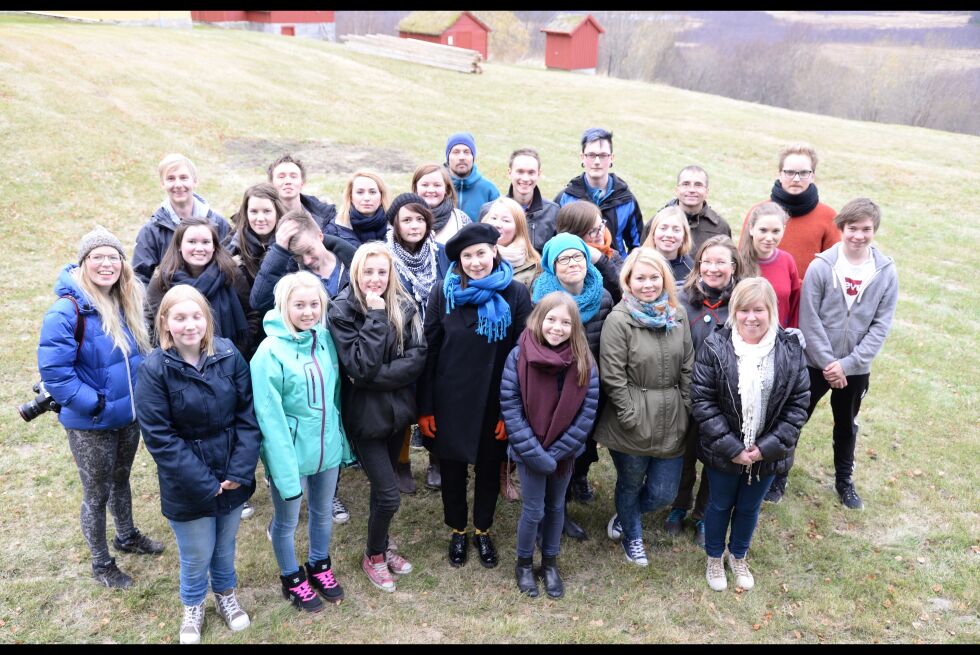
41,403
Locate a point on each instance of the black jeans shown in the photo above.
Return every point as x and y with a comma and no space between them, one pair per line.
486,487
689,474
844,404
379,459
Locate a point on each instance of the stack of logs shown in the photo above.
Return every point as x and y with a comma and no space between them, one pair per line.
413,50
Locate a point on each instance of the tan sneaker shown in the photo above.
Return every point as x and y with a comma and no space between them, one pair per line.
229,609
193,622
715,574
743,577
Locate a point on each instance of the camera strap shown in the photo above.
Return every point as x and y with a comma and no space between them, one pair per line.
79,325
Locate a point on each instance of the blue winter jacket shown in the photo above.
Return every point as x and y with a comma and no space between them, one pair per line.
472,191
524,445
619,208
100,374
157,233
200,427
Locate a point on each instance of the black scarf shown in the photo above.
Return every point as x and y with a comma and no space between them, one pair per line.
255,249
229,319
798,205
442,213
369,228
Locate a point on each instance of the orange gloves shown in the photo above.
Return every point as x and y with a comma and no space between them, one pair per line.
500,432
427,426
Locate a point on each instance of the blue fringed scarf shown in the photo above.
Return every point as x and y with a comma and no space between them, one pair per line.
588,301
492,311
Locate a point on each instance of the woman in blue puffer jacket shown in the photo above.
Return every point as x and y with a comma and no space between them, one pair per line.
548,397
92,378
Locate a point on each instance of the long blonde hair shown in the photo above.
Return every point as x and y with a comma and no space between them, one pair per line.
395,296
123,303
577,339
179,294
347,201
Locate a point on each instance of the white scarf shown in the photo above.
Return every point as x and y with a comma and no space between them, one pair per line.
515,253
750,360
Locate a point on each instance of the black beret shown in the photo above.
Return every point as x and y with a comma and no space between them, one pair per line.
468,235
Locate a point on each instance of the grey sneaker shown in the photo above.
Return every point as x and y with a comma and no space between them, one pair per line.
635,552
614,529
190,627
229,609
340,513
715,574
110,576
740,568
247,510
138,544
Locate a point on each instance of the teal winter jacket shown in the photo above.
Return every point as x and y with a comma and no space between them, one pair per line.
472,191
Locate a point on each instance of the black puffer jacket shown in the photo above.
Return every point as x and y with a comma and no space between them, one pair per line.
377,388
717,407
593,328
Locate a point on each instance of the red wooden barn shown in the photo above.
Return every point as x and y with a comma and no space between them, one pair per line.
316,24
572,42
456,28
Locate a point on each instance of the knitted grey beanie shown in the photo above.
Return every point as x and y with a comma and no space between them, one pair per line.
99,237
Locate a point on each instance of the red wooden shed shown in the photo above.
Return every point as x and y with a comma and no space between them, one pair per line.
316,24
456,28
572,42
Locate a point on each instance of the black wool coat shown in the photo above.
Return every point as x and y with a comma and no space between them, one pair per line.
461,383
717,407
378,384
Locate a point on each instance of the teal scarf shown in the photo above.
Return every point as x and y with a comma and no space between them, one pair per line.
493,312
656,314
588,301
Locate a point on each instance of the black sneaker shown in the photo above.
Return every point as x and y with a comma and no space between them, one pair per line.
138,544
321,578
776,491
416,441
849,497
110,576
580,489
297,590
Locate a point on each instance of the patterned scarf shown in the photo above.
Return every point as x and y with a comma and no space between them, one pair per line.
588,301
418,268
493,312
656,314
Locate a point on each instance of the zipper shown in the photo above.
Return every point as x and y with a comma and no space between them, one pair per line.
323,412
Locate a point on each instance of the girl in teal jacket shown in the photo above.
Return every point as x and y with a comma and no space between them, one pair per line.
296,386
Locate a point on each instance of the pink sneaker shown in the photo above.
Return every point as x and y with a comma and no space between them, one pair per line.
377,572
397,564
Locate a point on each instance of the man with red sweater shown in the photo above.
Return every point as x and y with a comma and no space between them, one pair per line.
811,226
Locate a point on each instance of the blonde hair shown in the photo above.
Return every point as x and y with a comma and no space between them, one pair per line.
123,303
580,345
671,212
179,294
395,296
749,290
174,160
521,230
798,149
652,257
346,202
750,258
285,287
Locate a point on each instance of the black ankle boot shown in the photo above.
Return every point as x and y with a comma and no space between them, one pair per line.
573,529
553,584
526,582
457,549
485,549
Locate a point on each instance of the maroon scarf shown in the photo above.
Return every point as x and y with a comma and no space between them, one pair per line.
548,413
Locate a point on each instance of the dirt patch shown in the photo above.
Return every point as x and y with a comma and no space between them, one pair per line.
317,156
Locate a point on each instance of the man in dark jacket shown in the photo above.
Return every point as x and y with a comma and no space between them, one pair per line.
524,171
288,175
472,189
178,177
610,193
299,240
691,194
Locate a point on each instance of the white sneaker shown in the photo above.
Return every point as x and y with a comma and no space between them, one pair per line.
340,513
247,510
190,627
635,552
743,577
229,609
715,574
614,530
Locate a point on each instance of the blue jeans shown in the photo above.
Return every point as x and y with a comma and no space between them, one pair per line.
206,545
319,490
732,500
643,484
543,499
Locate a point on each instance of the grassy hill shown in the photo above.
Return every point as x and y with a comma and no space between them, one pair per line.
88,111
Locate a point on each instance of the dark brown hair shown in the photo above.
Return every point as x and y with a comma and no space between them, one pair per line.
265,191
173,261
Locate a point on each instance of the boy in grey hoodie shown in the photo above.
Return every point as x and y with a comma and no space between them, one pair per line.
846,310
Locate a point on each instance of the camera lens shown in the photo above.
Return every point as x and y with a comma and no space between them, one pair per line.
30,410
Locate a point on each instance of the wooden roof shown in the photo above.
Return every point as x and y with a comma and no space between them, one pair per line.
434,23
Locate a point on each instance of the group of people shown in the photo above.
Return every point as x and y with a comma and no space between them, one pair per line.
509,331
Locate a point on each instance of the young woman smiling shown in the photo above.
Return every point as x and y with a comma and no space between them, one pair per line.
432,183
670,234
378,333
515,240
761,255
361,216
196,257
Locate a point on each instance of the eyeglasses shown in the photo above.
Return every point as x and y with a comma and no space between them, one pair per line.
686,184
112,259
803,175
596,232
602,156
565,260
716,264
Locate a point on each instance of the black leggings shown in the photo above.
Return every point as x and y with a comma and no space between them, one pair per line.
379,459
104,459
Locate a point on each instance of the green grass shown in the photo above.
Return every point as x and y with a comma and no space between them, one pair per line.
86,112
